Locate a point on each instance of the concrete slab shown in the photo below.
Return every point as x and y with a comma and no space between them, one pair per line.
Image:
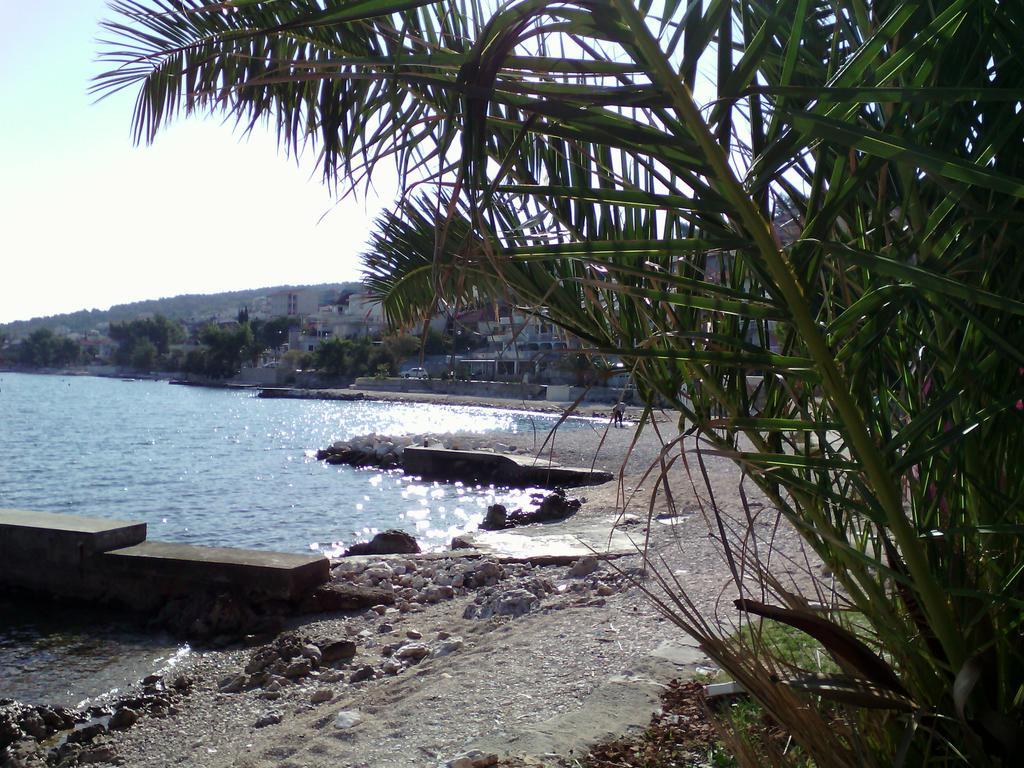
498,468
171,568
95,534
51,553
555,543
624,703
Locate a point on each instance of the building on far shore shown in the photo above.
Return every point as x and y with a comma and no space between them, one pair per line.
294,303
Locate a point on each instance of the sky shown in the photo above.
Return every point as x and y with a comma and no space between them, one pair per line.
88,219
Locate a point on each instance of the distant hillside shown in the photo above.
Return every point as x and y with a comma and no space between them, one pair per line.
185,307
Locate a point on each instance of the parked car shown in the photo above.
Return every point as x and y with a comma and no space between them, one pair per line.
416,373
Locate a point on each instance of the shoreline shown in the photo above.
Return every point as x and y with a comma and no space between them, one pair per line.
549,407
342,393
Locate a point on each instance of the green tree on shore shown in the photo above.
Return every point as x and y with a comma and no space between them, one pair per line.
45,349
351,358
144,343
223,351
272,333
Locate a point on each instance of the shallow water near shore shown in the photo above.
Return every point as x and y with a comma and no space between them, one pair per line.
204,466
67,655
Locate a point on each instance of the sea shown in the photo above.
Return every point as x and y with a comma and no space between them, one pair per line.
218,467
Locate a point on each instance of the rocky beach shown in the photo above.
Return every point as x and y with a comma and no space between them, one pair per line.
526,645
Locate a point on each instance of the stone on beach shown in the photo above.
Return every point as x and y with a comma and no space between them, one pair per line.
346,719
321,695
337,650
123,719
267,718
413,652
342,596
392,542
475,758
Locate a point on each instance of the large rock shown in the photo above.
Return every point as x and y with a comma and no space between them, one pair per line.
553,507
391,542
123,719
343,596
496,518
86,734
337,650
100,753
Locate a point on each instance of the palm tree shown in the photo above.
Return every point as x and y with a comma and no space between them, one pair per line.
623,168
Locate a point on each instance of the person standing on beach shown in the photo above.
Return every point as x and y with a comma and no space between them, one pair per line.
617,412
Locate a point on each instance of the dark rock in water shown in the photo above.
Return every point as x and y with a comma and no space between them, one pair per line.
556,506
32,724
552,508
461,542
57,718
341,596
86,734
10,731
496,519
391,542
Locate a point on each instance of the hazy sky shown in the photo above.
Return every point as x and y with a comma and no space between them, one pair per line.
89,220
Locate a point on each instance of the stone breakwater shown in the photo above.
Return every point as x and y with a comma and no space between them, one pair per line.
387,452
463,459
377,639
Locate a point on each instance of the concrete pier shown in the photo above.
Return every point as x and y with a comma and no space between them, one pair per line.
498,468
105,560
278,575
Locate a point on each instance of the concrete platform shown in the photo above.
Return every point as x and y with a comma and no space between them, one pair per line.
102,560
169,567
498,468
623,703
45,551
87,534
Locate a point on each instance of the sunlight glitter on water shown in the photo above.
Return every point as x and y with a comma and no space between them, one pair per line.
224,468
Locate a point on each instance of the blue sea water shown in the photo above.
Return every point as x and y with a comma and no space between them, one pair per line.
226,468
206,466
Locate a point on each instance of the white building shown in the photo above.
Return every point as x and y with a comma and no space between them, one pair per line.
358,317
294,303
